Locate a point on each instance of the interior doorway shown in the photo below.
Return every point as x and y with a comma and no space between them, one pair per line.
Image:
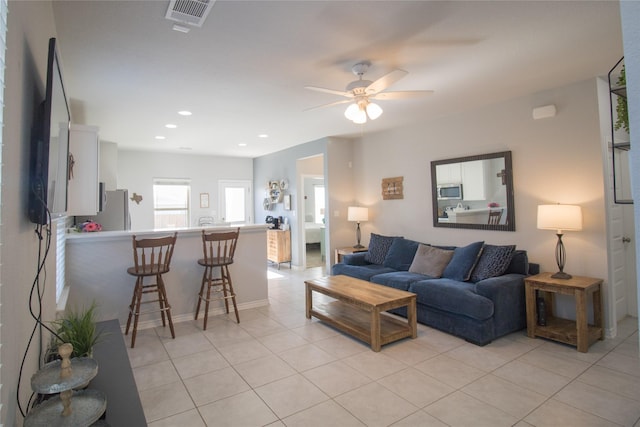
314,220
312,208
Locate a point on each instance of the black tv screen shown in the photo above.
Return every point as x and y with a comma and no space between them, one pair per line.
49,156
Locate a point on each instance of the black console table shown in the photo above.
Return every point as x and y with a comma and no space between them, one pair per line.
115,378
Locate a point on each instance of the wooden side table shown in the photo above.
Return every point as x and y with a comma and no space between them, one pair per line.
340,252
578,333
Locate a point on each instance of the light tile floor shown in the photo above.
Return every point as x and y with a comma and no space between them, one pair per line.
278,368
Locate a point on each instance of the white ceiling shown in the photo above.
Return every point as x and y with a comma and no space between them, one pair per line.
243,73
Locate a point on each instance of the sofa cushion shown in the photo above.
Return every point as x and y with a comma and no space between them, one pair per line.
463,261
378,248
401,254
399,279
493,261
430,261
452,296
364,272
519,263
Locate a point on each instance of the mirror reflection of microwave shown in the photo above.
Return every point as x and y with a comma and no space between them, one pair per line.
449,192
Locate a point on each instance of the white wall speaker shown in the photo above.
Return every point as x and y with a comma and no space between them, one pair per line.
544,112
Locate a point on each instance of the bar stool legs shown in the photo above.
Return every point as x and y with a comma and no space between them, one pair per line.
216,285
136,302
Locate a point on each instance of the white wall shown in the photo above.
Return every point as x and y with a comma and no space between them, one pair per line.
137,169
30,26
630,14
556,159
278,166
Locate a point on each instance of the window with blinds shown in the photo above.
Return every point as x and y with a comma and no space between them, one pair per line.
171,203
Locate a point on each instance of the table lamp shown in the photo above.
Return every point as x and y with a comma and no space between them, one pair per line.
560,218
357,214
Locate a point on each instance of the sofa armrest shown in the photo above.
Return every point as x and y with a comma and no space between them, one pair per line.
357,258
507,294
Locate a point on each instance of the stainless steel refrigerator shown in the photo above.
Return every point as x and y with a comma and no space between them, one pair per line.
115,211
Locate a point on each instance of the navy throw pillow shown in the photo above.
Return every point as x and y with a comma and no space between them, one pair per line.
401,254
519,262
463,261
493,261
378,248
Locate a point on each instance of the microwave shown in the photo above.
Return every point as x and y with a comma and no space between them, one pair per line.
449,192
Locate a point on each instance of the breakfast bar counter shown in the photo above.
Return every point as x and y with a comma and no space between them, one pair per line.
96,269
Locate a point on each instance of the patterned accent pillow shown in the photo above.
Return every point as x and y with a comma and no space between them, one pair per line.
493,262
430,261
378,248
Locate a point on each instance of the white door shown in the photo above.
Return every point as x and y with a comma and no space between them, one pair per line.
234,202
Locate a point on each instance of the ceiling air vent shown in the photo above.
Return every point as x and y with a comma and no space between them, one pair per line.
192,12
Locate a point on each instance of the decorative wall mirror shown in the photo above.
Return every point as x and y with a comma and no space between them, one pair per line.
474,192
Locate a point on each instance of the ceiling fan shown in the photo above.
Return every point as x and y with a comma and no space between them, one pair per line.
360,93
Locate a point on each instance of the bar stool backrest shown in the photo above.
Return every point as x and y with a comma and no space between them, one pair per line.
153,255
494,217
219,248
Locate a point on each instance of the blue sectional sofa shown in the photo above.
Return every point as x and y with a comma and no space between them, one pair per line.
475,292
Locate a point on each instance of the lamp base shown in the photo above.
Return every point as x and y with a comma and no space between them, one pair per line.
561,275
358,246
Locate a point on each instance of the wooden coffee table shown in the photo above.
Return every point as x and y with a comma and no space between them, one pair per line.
358,309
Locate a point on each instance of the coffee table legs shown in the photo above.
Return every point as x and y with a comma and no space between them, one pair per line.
375,330
308,301
412,318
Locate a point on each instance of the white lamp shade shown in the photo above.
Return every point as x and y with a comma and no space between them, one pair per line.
373,111
357,214
351,111
360,117
560,217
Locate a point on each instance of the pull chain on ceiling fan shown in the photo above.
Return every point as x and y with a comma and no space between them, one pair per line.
360,93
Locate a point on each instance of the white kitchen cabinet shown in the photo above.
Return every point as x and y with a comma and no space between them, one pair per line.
473,180
448,173
84,170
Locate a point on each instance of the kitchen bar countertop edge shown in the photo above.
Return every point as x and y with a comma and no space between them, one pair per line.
117,235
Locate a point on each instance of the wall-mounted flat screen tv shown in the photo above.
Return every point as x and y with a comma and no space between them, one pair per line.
48,169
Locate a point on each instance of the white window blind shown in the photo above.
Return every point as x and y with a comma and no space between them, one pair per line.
3,47
171,203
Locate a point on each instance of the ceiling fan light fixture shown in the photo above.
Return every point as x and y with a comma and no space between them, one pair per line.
360,117
351,111
373,111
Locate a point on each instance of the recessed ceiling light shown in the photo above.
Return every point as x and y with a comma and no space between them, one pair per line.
242,144
170,126
263,135
184,113
160,137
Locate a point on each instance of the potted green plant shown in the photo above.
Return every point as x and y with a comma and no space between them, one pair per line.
622,120
79,329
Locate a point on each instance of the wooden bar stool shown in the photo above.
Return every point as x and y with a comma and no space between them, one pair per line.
218,249
151,258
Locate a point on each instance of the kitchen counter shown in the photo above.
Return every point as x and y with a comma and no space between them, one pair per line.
96,265
471,216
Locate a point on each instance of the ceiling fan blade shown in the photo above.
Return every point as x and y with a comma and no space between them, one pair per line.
331,91
385,81
331,104
401,94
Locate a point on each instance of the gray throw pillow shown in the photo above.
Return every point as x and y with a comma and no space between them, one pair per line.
493,262
378,248
430,261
